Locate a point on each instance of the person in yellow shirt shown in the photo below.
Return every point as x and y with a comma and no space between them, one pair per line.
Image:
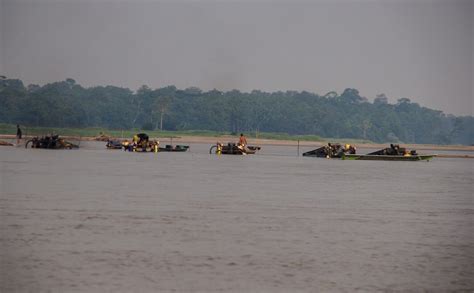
141,140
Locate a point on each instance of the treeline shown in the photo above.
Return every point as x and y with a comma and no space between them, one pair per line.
346,115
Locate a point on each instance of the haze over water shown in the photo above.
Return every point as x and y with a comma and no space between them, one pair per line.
95,220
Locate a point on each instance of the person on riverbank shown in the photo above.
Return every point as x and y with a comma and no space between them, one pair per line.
19,134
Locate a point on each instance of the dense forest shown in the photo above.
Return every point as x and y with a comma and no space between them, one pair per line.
333,115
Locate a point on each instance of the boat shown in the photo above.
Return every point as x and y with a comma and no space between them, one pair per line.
115,144
50,142
141,147
393,153
332,150
152,146
388,157
233,149
171,148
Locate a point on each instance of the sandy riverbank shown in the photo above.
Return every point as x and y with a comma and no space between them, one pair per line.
253,141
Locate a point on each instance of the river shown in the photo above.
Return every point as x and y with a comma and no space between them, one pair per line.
97,220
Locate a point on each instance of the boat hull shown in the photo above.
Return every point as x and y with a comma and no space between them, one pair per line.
388,158
233,149
178,148
332,150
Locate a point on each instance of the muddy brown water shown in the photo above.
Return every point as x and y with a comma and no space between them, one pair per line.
96,220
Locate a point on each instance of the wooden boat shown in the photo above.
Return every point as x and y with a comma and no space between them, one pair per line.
388,157
233,149
143,147
114,145
143,150
393,153
50,142
171,148
332,150
151,146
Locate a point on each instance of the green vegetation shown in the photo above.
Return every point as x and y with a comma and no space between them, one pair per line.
70,109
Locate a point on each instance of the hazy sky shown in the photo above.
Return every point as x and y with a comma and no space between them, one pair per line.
422,50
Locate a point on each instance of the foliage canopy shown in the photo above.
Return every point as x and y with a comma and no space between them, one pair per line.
346,115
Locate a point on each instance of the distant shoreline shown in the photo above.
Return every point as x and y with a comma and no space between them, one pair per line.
273,142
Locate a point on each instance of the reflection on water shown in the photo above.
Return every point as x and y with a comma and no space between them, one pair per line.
105,220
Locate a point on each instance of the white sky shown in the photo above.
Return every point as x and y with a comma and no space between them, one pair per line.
422,50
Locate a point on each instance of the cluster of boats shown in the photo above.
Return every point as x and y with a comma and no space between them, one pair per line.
141,143
348,152
154,146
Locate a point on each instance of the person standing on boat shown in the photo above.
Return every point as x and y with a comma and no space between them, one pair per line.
18,134
349,149
141,138
242,143
242,140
